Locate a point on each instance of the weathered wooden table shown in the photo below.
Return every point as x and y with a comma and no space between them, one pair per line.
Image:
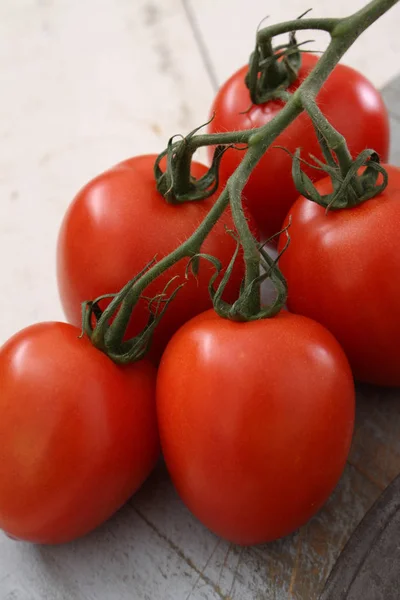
154,549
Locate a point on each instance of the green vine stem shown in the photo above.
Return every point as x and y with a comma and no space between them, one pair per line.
178,184
335,140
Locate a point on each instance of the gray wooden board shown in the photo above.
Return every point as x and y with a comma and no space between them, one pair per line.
154,549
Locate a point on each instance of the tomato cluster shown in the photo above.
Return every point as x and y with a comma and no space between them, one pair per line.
255,418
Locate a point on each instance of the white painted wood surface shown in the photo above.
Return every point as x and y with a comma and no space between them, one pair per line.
84,84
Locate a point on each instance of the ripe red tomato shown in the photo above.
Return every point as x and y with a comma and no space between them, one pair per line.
78,433
343,268
347,99
255,420
118,223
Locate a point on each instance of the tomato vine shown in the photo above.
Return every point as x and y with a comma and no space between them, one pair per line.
177,185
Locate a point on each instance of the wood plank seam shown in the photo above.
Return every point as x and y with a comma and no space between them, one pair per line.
180,553
202,46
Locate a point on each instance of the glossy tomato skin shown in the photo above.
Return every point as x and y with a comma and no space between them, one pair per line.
347,99
117,224
343,270
255,422
78,433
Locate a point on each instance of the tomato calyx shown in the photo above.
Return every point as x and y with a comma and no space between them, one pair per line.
359,184
273,70
247,306
106,328
176,183
352,183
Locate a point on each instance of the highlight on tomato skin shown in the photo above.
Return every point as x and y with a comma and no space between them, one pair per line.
348,100
116,225
78,433
342,269
256,421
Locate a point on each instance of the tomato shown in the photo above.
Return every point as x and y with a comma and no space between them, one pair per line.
117,224
343,269
255,421
347,99
78,433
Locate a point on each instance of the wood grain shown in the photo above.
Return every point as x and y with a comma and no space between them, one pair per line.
376,444
295,567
